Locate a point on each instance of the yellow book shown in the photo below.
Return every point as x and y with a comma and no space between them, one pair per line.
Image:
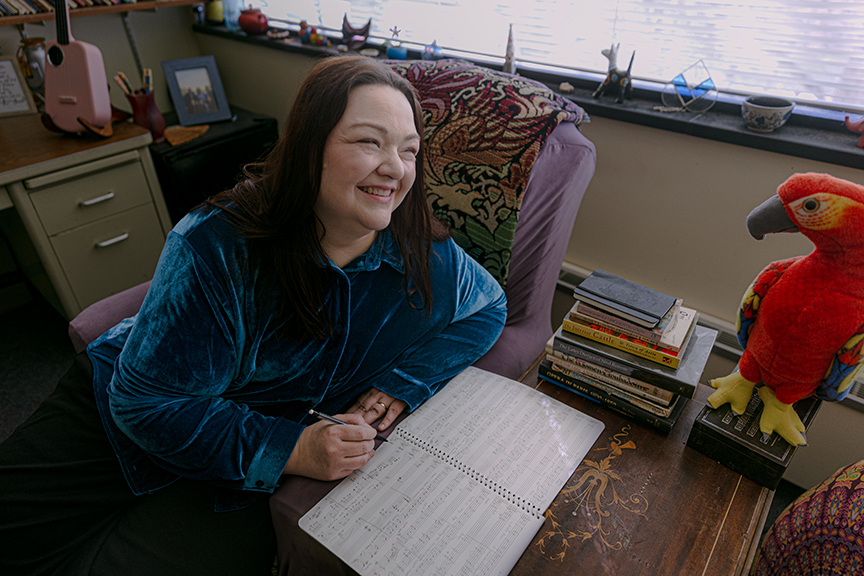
627,343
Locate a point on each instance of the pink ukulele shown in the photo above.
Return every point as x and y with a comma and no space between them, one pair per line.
76,89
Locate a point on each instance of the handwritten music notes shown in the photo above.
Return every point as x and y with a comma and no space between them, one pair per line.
462,485
14,95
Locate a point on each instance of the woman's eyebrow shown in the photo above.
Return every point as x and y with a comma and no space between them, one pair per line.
382,129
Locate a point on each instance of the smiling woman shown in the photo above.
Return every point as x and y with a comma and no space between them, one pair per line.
800,49
310,285
369,166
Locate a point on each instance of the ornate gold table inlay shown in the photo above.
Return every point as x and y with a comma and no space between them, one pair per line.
592,491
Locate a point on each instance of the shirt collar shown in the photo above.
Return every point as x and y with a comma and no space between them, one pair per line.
383,250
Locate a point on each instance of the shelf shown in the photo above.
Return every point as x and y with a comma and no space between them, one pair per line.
96,10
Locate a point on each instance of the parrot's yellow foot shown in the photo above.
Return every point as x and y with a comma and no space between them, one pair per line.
734,389
781,418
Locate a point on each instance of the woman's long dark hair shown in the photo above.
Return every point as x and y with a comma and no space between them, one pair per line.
274,207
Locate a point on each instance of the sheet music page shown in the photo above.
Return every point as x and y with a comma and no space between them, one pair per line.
408,512
461,486
510,433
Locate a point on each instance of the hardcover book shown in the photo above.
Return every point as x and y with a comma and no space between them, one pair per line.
682,381
739,444
664,425
640,304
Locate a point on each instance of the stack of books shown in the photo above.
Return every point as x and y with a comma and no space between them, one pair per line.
631,348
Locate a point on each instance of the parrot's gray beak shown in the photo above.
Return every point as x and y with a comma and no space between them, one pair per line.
769,217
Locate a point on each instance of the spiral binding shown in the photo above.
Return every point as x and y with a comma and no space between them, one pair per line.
473,474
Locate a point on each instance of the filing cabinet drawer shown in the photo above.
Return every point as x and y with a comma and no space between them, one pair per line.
110,255
99,192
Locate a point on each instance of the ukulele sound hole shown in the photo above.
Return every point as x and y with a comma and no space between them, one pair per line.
55,56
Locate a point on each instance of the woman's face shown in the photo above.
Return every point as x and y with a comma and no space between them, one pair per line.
368,166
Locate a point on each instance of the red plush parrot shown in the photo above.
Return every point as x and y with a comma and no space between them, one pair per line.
801,322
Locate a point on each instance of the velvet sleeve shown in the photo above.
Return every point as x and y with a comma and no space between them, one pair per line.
480,309
183,353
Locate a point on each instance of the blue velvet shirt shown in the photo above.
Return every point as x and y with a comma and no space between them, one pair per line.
199,385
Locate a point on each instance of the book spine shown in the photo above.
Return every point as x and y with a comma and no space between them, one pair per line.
586,313
611,390
587,320
589,356
641,350
599,397
633,371
642,389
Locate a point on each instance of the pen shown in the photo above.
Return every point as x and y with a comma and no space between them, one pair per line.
147,80
322,416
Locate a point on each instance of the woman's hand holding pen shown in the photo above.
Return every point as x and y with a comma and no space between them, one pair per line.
327,451
374,404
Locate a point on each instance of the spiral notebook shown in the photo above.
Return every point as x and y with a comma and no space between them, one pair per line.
462,485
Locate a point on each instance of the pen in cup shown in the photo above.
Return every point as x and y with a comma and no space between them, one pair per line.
322,416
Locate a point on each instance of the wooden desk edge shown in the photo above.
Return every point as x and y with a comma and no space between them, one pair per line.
755,535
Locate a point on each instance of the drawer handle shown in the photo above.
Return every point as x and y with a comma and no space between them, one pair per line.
114,240
98,199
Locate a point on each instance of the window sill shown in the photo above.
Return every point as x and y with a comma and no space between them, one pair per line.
812,133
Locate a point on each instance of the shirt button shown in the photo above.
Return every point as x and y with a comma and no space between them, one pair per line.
259,483
338,329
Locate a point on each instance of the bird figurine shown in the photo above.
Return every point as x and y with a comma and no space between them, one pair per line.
801,321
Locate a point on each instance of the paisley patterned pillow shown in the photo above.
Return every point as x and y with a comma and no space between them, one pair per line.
484,130
822,532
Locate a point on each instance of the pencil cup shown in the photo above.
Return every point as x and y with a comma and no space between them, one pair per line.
146,115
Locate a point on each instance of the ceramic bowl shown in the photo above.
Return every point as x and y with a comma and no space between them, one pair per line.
766,113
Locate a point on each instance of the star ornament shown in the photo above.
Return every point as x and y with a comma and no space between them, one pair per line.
395,31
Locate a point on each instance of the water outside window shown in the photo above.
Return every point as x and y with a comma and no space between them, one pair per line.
808,50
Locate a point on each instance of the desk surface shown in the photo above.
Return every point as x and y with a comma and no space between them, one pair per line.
645,503
642,503
26,145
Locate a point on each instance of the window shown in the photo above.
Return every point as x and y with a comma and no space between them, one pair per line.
809,50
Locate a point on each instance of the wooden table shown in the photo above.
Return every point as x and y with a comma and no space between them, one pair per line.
641,503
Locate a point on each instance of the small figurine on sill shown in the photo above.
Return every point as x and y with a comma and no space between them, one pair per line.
355,38
310,35
432,52
510,54
858,127
801,322
617,82
395,50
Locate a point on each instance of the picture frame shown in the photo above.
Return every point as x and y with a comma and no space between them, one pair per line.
15,97
196,90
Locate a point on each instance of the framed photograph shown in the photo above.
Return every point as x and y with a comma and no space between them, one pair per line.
15,97
196,90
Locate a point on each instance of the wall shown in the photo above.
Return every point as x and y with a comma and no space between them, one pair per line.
669,210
